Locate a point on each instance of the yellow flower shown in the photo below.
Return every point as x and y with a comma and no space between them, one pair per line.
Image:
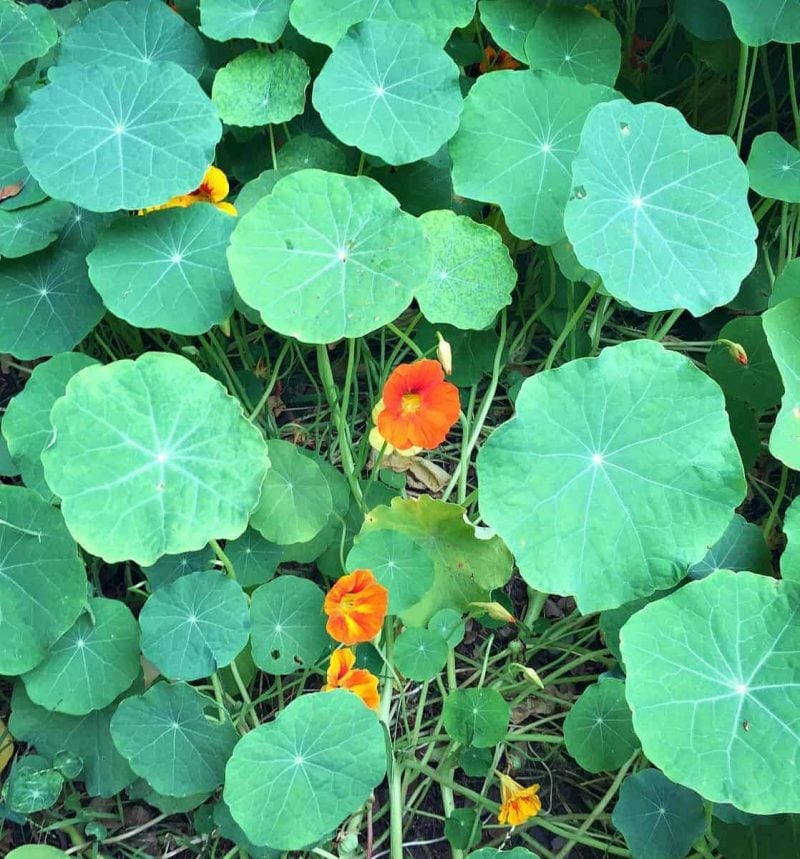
518,803
213,189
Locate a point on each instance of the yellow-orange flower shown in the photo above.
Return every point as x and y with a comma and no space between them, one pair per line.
379,443
495,60
356,606
419,406
342,675
518,803
213,189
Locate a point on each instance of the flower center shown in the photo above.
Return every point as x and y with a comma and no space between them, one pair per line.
348,602
410,403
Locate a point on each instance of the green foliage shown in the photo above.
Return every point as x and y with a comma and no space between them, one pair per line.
476,717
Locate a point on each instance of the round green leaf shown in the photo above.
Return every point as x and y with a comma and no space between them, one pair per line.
170,741
401,564
121,137
391,91
774,837
420,654
105,771
782,327
741,547
257,188
26,32
166,269
259,87
328,20
303,152
515,145
598,730
774,167
140,789
228,828
787,283
287,625
36,851
95,660
471,277
195,625
790,559
170,568
660,210
758,382
254,559
42,580
757,22
80,233
746,432
574,43
716,699
510,21
133,32
47,304
260,20
465,567
24,231
476,717
32,785
448,623
327,256
287,786
26,423
659,819
622,466
707,19
12,171
295,500
173,465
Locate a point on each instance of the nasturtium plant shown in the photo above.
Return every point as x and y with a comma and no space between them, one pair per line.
782,327
261,20
26,32
774,167
759,21
23,231
168,568
790,559
741,547
420,654
254,559
476,717
510,21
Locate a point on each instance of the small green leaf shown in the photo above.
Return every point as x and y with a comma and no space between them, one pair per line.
774,167
95,660
195,625
420,654
254,559
476,717
260,20
303,152
170,568
782,327
450,626
26,32
259,87
461,828
389,90
287,625
24,231
659,819
36,851
170,741
598,730
287,786
510,21
741,547
32,785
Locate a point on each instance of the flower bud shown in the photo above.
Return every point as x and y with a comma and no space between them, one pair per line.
735,350
495,610
529,674
445,354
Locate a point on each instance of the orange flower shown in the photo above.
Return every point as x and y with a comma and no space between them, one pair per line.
342,675
419,406
356,606
518,803
213,189
495,60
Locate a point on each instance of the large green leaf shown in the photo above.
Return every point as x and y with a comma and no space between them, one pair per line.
790,559
23,231
152,457
135,31
576,44
287,786
327,256
465,567
288,626
95,660
105,771
259,87
167,269
616,474
47,304
42,580
26,423
195,625
787,283
660,210
713,686
510,21
472,275
122,137
171,739
26,32
659,819
774,167
782,326
515,145
741,547
389,90
757,22
261,20
12,170
598,730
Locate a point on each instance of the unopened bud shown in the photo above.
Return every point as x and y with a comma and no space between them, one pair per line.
590,7
495,610
225,327
529,674
735,350
445,354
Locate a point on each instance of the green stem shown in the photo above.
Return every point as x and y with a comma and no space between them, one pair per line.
571,323
223,559
741,82
793,91
273,380
218,696
272,148
773,513
748,93
536,601
662,332
248,711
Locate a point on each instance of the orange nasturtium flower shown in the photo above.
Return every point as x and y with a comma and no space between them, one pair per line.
342,675
356,606
496,60
213,189
518,803
419,406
